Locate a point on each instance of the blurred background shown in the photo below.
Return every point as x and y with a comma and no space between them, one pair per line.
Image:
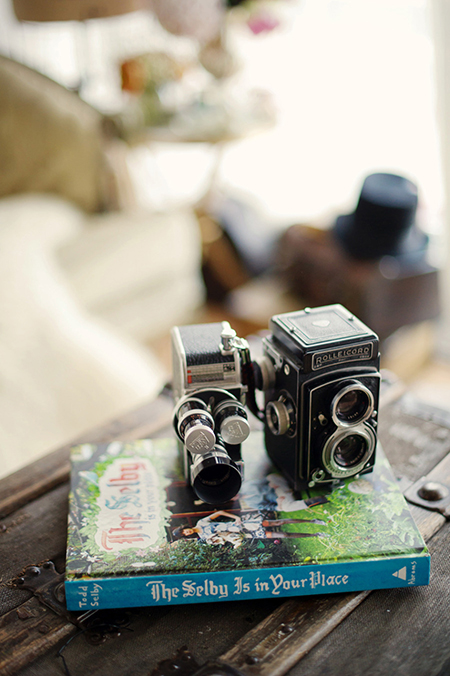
167,162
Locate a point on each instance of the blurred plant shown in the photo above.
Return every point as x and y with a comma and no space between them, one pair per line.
145,76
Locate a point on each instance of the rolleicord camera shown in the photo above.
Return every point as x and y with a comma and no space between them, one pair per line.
209,372
321,380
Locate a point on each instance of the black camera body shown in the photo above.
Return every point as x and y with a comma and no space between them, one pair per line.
210,418
321,404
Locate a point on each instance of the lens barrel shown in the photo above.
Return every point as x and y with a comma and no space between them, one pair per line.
346,452
215,477
352,405
196,426
231,421
350,451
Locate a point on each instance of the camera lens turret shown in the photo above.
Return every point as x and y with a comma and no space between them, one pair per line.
195,426
231,421
353,404
215,477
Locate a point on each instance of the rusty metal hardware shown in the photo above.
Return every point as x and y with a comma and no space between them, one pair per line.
429,494
47,586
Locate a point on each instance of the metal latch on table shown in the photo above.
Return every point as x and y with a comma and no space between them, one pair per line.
47,586
429,494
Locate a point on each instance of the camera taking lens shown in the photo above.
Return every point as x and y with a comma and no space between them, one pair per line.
347,453
231,421
350,451
215,477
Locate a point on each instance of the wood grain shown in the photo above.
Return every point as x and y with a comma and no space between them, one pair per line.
289,633
28,632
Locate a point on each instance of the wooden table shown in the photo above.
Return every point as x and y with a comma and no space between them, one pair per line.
400,631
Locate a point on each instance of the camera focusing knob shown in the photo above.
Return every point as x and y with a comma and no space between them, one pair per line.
277,416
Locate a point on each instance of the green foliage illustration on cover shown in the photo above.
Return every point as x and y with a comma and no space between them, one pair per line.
131,513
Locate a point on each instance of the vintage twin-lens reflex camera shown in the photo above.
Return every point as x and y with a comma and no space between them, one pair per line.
321,387
210,365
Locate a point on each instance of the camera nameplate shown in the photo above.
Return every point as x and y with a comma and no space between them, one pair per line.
343,355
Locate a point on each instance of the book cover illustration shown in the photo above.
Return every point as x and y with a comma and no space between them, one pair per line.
137,535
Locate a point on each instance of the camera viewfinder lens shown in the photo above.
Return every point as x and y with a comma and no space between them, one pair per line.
353,404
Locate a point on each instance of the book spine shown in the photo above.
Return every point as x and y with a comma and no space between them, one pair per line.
161,590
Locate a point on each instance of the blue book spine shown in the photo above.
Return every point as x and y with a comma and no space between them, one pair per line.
162,590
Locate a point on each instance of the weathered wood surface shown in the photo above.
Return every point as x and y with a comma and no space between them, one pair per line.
333,634
35,628
289,633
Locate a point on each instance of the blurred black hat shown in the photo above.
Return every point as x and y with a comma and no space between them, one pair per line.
383,223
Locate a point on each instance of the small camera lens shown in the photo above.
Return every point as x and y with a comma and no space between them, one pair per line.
350,450
231,421
353,404
195,426
215,477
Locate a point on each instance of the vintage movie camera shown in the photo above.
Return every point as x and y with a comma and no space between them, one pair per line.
210,369
320,373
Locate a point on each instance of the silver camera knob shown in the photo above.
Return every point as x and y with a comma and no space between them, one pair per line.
232,422
278,418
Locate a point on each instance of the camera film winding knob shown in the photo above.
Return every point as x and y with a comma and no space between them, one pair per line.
232,422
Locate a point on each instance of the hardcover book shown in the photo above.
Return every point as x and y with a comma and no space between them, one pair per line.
139,536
